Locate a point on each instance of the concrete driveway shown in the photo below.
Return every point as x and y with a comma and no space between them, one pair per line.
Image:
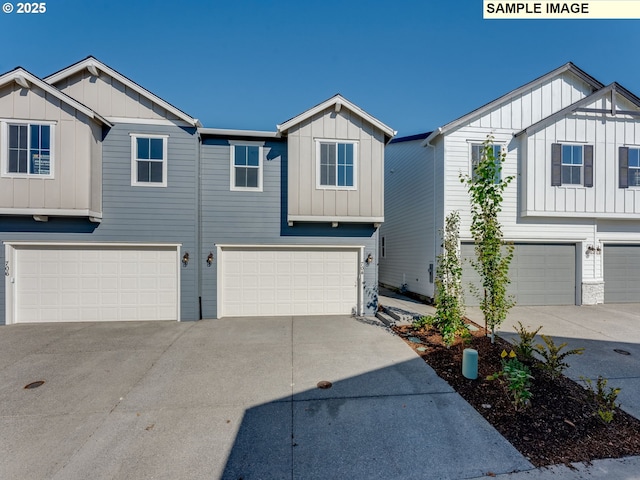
233,398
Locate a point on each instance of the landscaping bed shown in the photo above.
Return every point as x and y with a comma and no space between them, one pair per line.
561,423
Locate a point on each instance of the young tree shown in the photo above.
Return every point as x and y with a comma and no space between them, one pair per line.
449,297
493,254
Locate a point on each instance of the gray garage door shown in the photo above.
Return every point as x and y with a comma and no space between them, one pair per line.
541,274
621,273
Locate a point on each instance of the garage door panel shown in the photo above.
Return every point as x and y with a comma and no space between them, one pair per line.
540,274
288,282
93,283
621,273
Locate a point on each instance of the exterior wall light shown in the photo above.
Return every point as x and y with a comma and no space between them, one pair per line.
369,258
185,259
210,259
591,249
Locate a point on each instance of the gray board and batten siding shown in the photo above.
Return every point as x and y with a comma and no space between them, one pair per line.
260,218
131,214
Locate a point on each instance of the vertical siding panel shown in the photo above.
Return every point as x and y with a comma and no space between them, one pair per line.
20,193
294,177
516,113
377,175
118,98
364,197
65,169
81,150
105,93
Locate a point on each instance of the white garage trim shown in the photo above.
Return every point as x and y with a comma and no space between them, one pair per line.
220,250
34,254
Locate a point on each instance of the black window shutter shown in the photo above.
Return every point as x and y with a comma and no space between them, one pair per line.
556,164
623,167
588,165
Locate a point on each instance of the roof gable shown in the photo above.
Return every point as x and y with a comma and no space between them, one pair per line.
337,102
611,91
568,67
95,67
25,79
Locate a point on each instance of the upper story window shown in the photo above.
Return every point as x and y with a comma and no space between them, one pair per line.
246,166
336,164
28,149
149,160
629,167
571,164
477,149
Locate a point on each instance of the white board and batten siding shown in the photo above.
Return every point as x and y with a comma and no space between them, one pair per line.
606,133
259,280
88,282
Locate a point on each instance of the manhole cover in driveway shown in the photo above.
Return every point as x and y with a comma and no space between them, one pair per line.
324,384
31,385
621,352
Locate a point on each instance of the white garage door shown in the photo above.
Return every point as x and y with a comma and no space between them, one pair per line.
272,281
85,283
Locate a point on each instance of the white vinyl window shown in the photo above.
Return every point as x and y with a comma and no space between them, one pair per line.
633,175
27,149
246,166
149,160
572,162
477,149
336,164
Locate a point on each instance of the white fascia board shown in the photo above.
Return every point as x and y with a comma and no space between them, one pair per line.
51,212
596,216
95,63
596,85
297,246
225,132
318,218
51,90
331,102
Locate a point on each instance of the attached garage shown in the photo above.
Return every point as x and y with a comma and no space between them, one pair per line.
91,282
271,281
541,274
621,273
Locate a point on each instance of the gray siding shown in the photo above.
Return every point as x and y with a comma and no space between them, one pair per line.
242,218
132,214
409,228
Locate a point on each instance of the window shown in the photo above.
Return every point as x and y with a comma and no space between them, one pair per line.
633,172
246,167
336,164
29,149
149,160
383,248
476,157
571,164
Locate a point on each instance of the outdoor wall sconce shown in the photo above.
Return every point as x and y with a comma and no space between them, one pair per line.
369,258
185,259
210,259
591,249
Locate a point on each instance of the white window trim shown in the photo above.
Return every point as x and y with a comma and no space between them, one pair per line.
355,164
4,148
232,170
572,185
632,147
134,160
474,143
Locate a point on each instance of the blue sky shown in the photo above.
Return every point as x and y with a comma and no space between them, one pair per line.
415,64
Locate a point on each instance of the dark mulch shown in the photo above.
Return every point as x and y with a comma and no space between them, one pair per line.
561,424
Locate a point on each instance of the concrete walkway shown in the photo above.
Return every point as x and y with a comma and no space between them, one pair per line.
232,399
603,330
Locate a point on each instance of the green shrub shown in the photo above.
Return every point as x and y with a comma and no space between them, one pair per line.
605,398
516,377
554,360
524,348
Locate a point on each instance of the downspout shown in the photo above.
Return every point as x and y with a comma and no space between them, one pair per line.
199,224
433,209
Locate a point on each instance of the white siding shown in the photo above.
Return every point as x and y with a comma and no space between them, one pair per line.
409,229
